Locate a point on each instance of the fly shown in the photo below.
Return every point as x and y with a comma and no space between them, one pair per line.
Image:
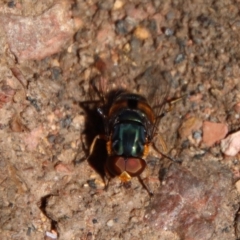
130,122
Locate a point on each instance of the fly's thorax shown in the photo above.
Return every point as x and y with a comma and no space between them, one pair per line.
128,139
132,102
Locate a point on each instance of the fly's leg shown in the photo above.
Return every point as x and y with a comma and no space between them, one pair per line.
105,177
78,157
170,106
163,144
144,179
150,193
84,148
106,182
94,143
164,154
174,101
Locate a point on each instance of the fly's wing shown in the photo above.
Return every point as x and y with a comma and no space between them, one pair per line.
155,86
97,88
104,84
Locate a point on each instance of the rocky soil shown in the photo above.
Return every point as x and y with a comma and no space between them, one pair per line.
51,51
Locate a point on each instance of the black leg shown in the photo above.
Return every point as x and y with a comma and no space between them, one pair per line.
145,186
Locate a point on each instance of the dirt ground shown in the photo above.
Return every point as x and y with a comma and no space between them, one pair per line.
50,51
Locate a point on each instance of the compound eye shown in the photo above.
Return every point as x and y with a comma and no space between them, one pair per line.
118,164
115,165
135,166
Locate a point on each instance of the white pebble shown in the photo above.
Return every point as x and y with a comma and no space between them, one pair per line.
110,223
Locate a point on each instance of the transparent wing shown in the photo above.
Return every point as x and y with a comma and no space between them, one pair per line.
97,88
155,86
104,83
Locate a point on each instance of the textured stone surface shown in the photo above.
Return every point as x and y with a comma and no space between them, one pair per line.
192,204
37,37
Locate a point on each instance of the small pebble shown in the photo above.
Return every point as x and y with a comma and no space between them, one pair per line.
110,223
168,32
197,135
127,48
52,235
66,121
78,122
11,4
189,125
213,132
200,87
180,57
56,72
92,183
63,168
231,145
118,5
121,27
237,184
141,33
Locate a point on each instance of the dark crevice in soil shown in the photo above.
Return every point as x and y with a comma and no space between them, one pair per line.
43,205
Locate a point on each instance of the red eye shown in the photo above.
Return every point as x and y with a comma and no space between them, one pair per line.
118,164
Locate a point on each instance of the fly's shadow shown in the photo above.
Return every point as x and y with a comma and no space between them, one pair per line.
96,123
